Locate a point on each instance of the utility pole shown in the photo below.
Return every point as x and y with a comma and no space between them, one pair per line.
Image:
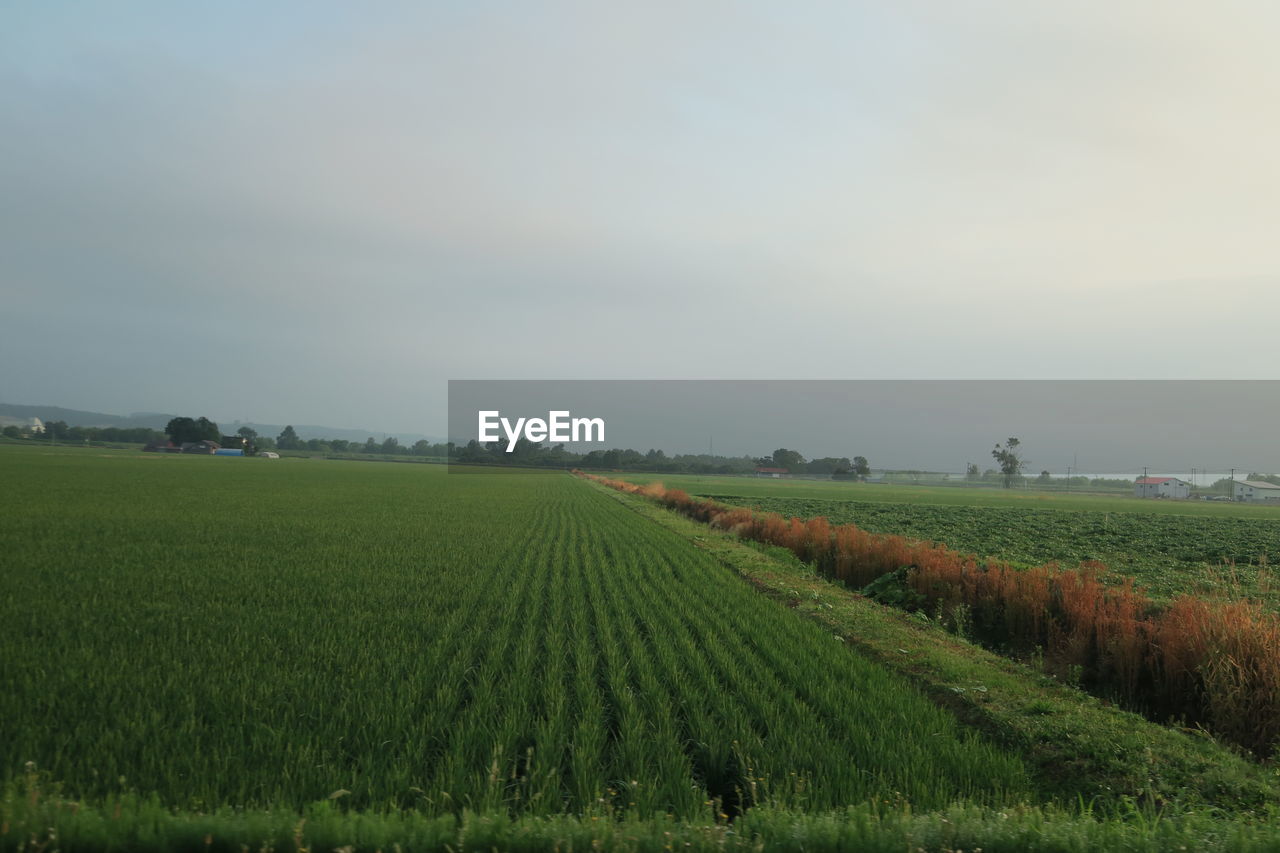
1232,487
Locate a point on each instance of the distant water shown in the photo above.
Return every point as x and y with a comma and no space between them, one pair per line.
1199,478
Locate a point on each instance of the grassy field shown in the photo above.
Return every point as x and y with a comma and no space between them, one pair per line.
209,652
1170,547
253,632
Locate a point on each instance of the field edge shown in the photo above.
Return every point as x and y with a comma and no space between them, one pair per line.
1081,749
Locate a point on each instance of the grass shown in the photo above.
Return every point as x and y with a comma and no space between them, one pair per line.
212,653
224,631
1078,747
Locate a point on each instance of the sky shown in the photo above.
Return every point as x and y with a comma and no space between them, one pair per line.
322,212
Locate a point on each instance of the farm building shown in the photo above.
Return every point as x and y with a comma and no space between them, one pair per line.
228,451
1161,487
1256,491
773,472
205,446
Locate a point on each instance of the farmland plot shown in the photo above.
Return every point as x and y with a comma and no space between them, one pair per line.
1168,554
220,631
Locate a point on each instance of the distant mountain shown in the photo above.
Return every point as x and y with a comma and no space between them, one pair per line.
157,420
76,417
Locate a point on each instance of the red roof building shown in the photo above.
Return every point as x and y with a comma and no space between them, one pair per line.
1161,487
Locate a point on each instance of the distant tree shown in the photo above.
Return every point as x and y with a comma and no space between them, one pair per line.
288,439
972,472
861,467
789,459
12,432
391,444
1265,478
207,429
183,430
370,446
247,433
1010,460
828,465
339,445
1044,478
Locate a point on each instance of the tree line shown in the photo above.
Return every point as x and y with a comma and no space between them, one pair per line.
535,454
288,439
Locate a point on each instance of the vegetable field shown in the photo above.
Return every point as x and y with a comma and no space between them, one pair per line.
1168,554
245,632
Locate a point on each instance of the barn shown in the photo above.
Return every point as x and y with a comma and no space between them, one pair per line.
205,446
1161,487
1256,491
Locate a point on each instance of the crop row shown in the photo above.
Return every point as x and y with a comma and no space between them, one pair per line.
1216,663
269,635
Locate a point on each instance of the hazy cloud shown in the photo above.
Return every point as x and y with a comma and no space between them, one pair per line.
323,215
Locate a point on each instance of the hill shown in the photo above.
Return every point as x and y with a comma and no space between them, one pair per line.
158,420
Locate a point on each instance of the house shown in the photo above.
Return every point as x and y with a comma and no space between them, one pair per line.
1256,491
1161,487
773,472
206,446
161,445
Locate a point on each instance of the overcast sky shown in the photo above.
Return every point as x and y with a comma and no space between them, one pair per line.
320,212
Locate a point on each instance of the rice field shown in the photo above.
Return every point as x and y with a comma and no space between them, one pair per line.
222,632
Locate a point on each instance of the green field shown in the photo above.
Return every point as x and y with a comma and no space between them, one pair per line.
715,486
209,647
268,632
1170,547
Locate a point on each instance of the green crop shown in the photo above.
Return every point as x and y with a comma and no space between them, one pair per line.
245,632
1167,554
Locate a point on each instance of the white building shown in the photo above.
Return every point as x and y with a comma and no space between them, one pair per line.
36,426
1161,487
1256,491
